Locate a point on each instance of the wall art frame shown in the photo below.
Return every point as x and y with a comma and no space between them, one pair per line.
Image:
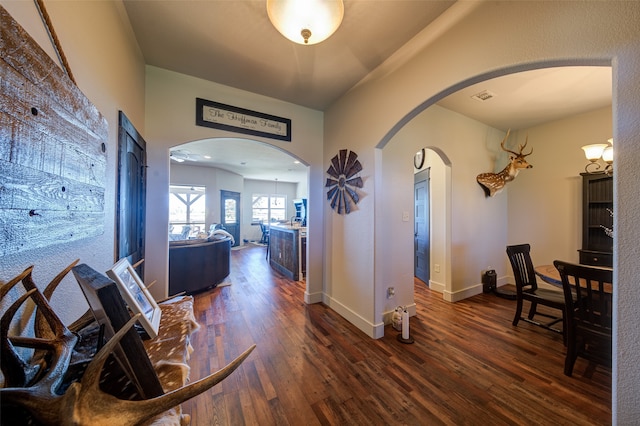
239,120
137,296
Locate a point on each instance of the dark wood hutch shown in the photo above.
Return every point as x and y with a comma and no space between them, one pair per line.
597,208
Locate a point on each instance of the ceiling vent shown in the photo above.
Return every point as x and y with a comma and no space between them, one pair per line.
485,95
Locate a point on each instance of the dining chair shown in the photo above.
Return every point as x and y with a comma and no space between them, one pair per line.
265,237
588,313
527,289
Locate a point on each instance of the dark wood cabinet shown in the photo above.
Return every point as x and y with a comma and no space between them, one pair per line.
597,205
287,250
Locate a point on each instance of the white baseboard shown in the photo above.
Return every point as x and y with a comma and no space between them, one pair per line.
374,331
465,293
311,298
436,286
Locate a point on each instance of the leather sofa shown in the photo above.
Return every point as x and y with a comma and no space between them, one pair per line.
197,265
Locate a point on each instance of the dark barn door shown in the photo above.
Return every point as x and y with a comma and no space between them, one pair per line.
131,208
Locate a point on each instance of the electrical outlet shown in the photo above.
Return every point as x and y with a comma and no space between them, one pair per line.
405,216
436,267
391,291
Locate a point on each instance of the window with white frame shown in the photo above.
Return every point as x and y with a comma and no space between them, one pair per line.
268,208
187,210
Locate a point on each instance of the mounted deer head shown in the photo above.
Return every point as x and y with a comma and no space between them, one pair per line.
492,183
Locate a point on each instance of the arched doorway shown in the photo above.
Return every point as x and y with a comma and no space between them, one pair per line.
439,167
265,182
476,229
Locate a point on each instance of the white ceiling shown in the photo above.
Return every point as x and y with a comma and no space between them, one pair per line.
234,43
251,159
534,97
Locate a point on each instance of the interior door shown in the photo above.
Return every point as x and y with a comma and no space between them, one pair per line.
131,204
230,213
421,226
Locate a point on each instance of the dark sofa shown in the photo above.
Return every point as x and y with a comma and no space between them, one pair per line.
196,265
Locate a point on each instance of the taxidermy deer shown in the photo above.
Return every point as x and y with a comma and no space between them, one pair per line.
492,183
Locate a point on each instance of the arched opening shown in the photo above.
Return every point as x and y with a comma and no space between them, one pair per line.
246,186
438,205
477,228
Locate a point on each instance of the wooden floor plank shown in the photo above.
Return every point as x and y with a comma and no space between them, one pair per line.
468,364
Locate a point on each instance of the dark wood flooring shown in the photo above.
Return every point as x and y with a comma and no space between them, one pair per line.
468,365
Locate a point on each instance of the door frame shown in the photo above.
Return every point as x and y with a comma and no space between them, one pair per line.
224,195
124,207
423,176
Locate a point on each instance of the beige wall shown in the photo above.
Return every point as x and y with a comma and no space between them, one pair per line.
109,70
545,209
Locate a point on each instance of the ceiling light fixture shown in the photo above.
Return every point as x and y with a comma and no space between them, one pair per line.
306,21
595,152
179,155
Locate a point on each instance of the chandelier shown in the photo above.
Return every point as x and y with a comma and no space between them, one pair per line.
600,156
306,21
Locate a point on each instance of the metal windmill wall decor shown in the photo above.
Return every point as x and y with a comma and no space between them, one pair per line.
342,181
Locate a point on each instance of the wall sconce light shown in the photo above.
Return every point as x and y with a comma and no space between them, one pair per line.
306,21
596,152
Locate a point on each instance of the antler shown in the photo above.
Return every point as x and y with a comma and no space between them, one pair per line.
83,403
517,154
16,371
53,344
112,410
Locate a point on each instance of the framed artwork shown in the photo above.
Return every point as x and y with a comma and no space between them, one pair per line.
136,295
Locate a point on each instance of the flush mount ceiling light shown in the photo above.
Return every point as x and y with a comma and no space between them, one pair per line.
306,21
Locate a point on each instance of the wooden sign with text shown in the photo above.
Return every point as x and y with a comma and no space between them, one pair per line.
240,120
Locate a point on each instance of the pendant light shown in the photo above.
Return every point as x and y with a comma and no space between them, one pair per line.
306,21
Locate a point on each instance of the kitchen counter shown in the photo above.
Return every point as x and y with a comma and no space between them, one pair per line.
287,250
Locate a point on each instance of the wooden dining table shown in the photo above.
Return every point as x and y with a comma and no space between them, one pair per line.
551,275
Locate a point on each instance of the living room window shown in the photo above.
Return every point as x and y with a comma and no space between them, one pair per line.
269,208
186,210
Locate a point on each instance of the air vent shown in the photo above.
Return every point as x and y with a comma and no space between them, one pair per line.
485,95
